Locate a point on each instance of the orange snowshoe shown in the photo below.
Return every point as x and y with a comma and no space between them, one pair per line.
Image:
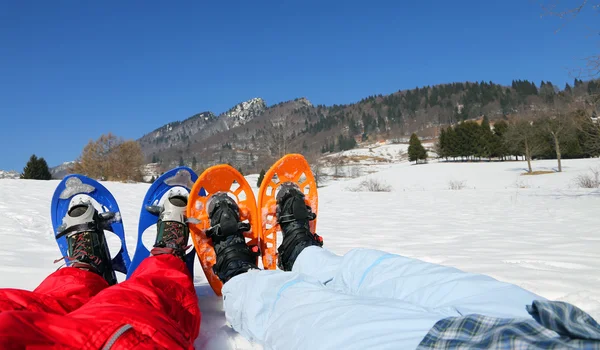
291,168
219,179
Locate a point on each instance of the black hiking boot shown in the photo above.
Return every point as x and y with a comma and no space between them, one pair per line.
234,256
87,248
293,216
172,231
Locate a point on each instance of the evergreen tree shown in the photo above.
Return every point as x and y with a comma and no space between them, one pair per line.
181,163
416,151
346,143
499,148
353,127
442,144
486,139
36,169
194,162
593,88
260,178
467,139
451,143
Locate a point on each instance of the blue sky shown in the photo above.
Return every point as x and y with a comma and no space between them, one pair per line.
73,70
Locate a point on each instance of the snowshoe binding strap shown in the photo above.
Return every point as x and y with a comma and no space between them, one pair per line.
234,257
293,216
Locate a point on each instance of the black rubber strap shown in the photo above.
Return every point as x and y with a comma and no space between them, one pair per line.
219,231
238,251
88,226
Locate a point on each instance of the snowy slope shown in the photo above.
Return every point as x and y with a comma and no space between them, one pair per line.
12,174
377,153
539,232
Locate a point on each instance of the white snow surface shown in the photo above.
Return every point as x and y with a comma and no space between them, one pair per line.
539,232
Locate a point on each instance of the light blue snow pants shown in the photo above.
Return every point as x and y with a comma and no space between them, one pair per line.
367,299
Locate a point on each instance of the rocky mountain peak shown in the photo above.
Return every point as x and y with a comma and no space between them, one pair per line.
304,102
243,112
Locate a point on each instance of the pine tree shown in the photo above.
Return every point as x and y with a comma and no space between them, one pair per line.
181,162
416,151
499,148
486,139
442,144
451,147
260,178
36,169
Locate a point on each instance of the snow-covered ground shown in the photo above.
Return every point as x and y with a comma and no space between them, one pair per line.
539,232
373,154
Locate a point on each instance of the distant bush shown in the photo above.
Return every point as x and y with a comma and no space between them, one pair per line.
372,185
456,185
589,180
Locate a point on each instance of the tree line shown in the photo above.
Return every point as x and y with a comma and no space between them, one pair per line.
551,134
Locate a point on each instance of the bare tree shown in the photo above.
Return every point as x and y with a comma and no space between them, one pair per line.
317,171
337,164
279,135
111,158
125,161
559,125
570,12
93,161
524,136
589,126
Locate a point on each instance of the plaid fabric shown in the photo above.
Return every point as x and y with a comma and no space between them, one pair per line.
555,325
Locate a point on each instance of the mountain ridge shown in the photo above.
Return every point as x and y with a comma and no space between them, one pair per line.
253,140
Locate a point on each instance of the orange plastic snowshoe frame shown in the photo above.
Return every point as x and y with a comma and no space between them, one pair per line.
219,178
291,168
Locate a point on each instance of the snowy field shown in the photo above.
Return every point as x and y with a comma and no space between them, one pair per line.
540,232
375,154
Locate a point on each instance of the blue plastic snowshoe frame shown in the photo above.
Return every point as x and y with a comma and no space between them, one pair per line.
178,177
76,184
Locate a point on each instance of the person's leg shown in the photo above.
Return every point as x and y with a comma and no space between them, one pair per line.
372,273
61,292
288,310
67,289
318,263
157,306
158,301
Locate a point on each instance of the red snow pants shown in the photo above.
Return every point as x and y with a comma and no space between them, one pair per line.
76,309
